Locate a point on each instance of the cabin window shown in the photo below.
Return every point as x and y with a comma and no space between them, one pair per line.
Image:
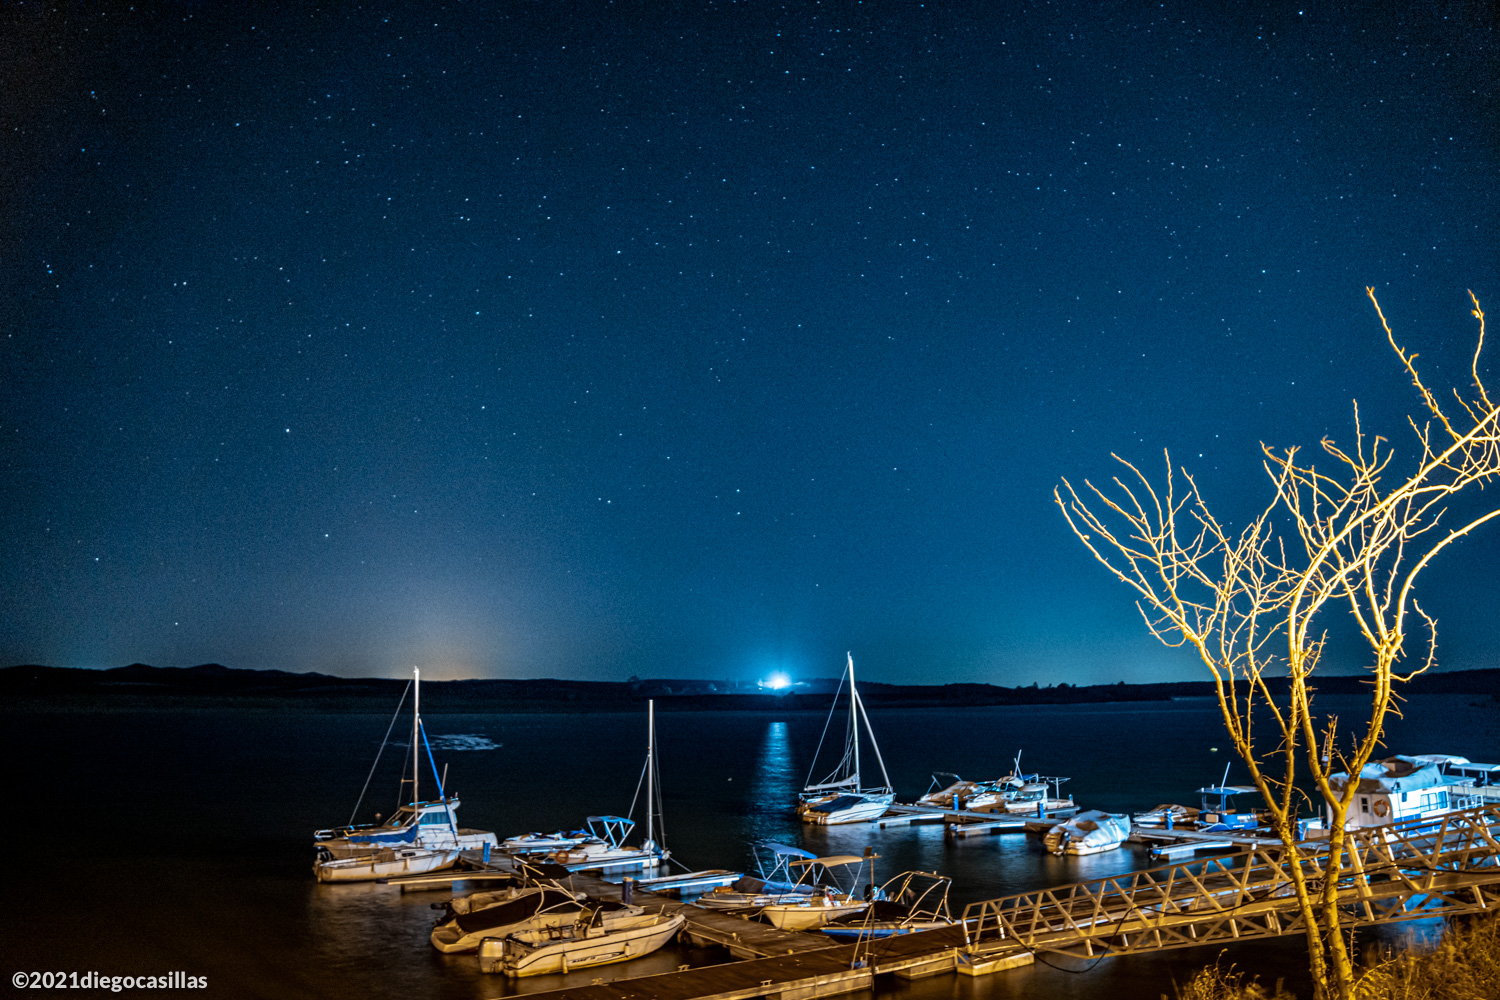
1364,804
1442,800
435,819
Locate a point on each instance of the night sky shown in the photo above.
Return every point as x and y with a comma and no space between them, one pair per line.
698,339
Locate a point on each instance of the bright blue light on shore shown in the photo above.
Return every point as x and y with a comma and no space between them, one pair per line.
778,681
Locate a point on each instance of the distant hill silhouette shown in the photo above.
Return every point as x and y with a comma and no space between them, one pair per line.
144,686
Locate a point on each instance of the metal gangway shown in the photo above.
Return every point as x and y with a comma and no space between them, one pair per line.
1421,868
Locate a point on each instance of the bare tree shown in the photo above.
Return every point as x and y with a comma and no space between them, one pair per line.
1248,603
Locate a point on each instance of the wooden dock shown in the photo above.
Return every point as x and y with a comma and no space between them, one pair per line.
970,822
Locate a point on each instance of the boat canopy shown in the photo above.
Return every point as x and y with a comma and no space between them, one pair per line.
1228,790
835,860
782,849
613,829
1399,773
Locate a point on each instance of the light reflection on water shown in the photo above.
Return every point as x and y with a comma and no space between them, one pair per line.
209,815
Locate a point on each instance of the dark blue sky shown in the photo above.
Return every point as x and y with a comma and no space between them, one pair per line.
696,339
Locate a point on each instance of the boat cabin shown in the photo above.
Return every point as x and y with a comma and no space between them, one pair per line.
1400,788
1218,812
1479,782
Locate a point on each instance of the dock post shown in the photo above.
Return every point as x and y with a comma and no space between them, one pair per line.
627,890
486,852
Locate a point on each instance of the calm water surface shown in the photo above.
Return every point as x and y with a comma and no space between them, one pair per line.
157,841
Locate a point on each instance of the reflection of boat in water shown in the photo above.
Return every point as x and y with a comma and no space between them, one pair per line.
910,902
592,940
776,884
1090,832
420,837
839,798
828,900
470,919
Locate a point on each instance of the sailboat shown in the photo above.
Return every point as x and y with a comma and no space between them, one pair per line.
604,849
420,837
841,797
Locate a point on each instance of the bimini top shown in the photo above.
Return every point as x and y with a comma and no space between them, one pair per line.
784,850
1228,790
1395,774
835,860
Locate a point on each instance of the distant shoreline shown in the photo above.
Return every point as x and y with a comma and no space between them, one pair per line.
142,687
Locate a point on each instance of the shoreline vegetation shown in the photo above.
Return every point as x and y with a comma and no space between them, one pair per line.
1463,964
140,686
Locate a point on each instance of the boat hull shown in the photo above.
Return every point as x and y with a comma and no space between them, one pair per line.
515,958
870,807
881,929
385,864
810,915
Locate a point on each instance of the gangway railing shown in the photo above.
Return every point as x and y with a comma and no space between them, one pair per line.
1448,864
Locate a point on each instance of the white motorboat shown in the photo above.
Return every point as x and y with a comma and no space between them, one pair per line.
471,919
841,798
421,837
530,843
776,884
385,862
606,850
828,900
582,945
910,902
1167,816
1091,832
1038,795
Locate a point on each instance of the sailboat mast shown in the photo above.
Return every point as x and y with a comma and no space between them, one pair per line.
650,770
854,719
416,717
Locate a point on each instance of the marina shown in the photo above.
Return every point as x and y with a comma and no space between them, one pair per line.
382,929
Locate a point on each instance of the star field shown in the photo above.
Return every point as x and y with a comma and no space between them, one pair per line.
700,340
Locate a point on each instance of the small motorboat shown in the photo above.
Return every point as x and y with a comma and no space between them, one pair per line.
1038,795
951,795
385,862
1090,832
468,920
840,798
828,900
590,941
913,901
1167,816
606,850
530,843
776,884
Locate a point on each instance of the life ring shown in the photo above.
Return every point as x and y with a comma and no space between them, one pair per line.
1381,808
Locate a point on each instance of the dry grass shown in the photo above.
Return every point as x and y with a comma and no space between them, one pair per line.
1220,982
1463,965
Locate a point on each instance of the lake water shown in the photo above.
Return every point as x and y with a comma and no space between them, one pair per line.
145,842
